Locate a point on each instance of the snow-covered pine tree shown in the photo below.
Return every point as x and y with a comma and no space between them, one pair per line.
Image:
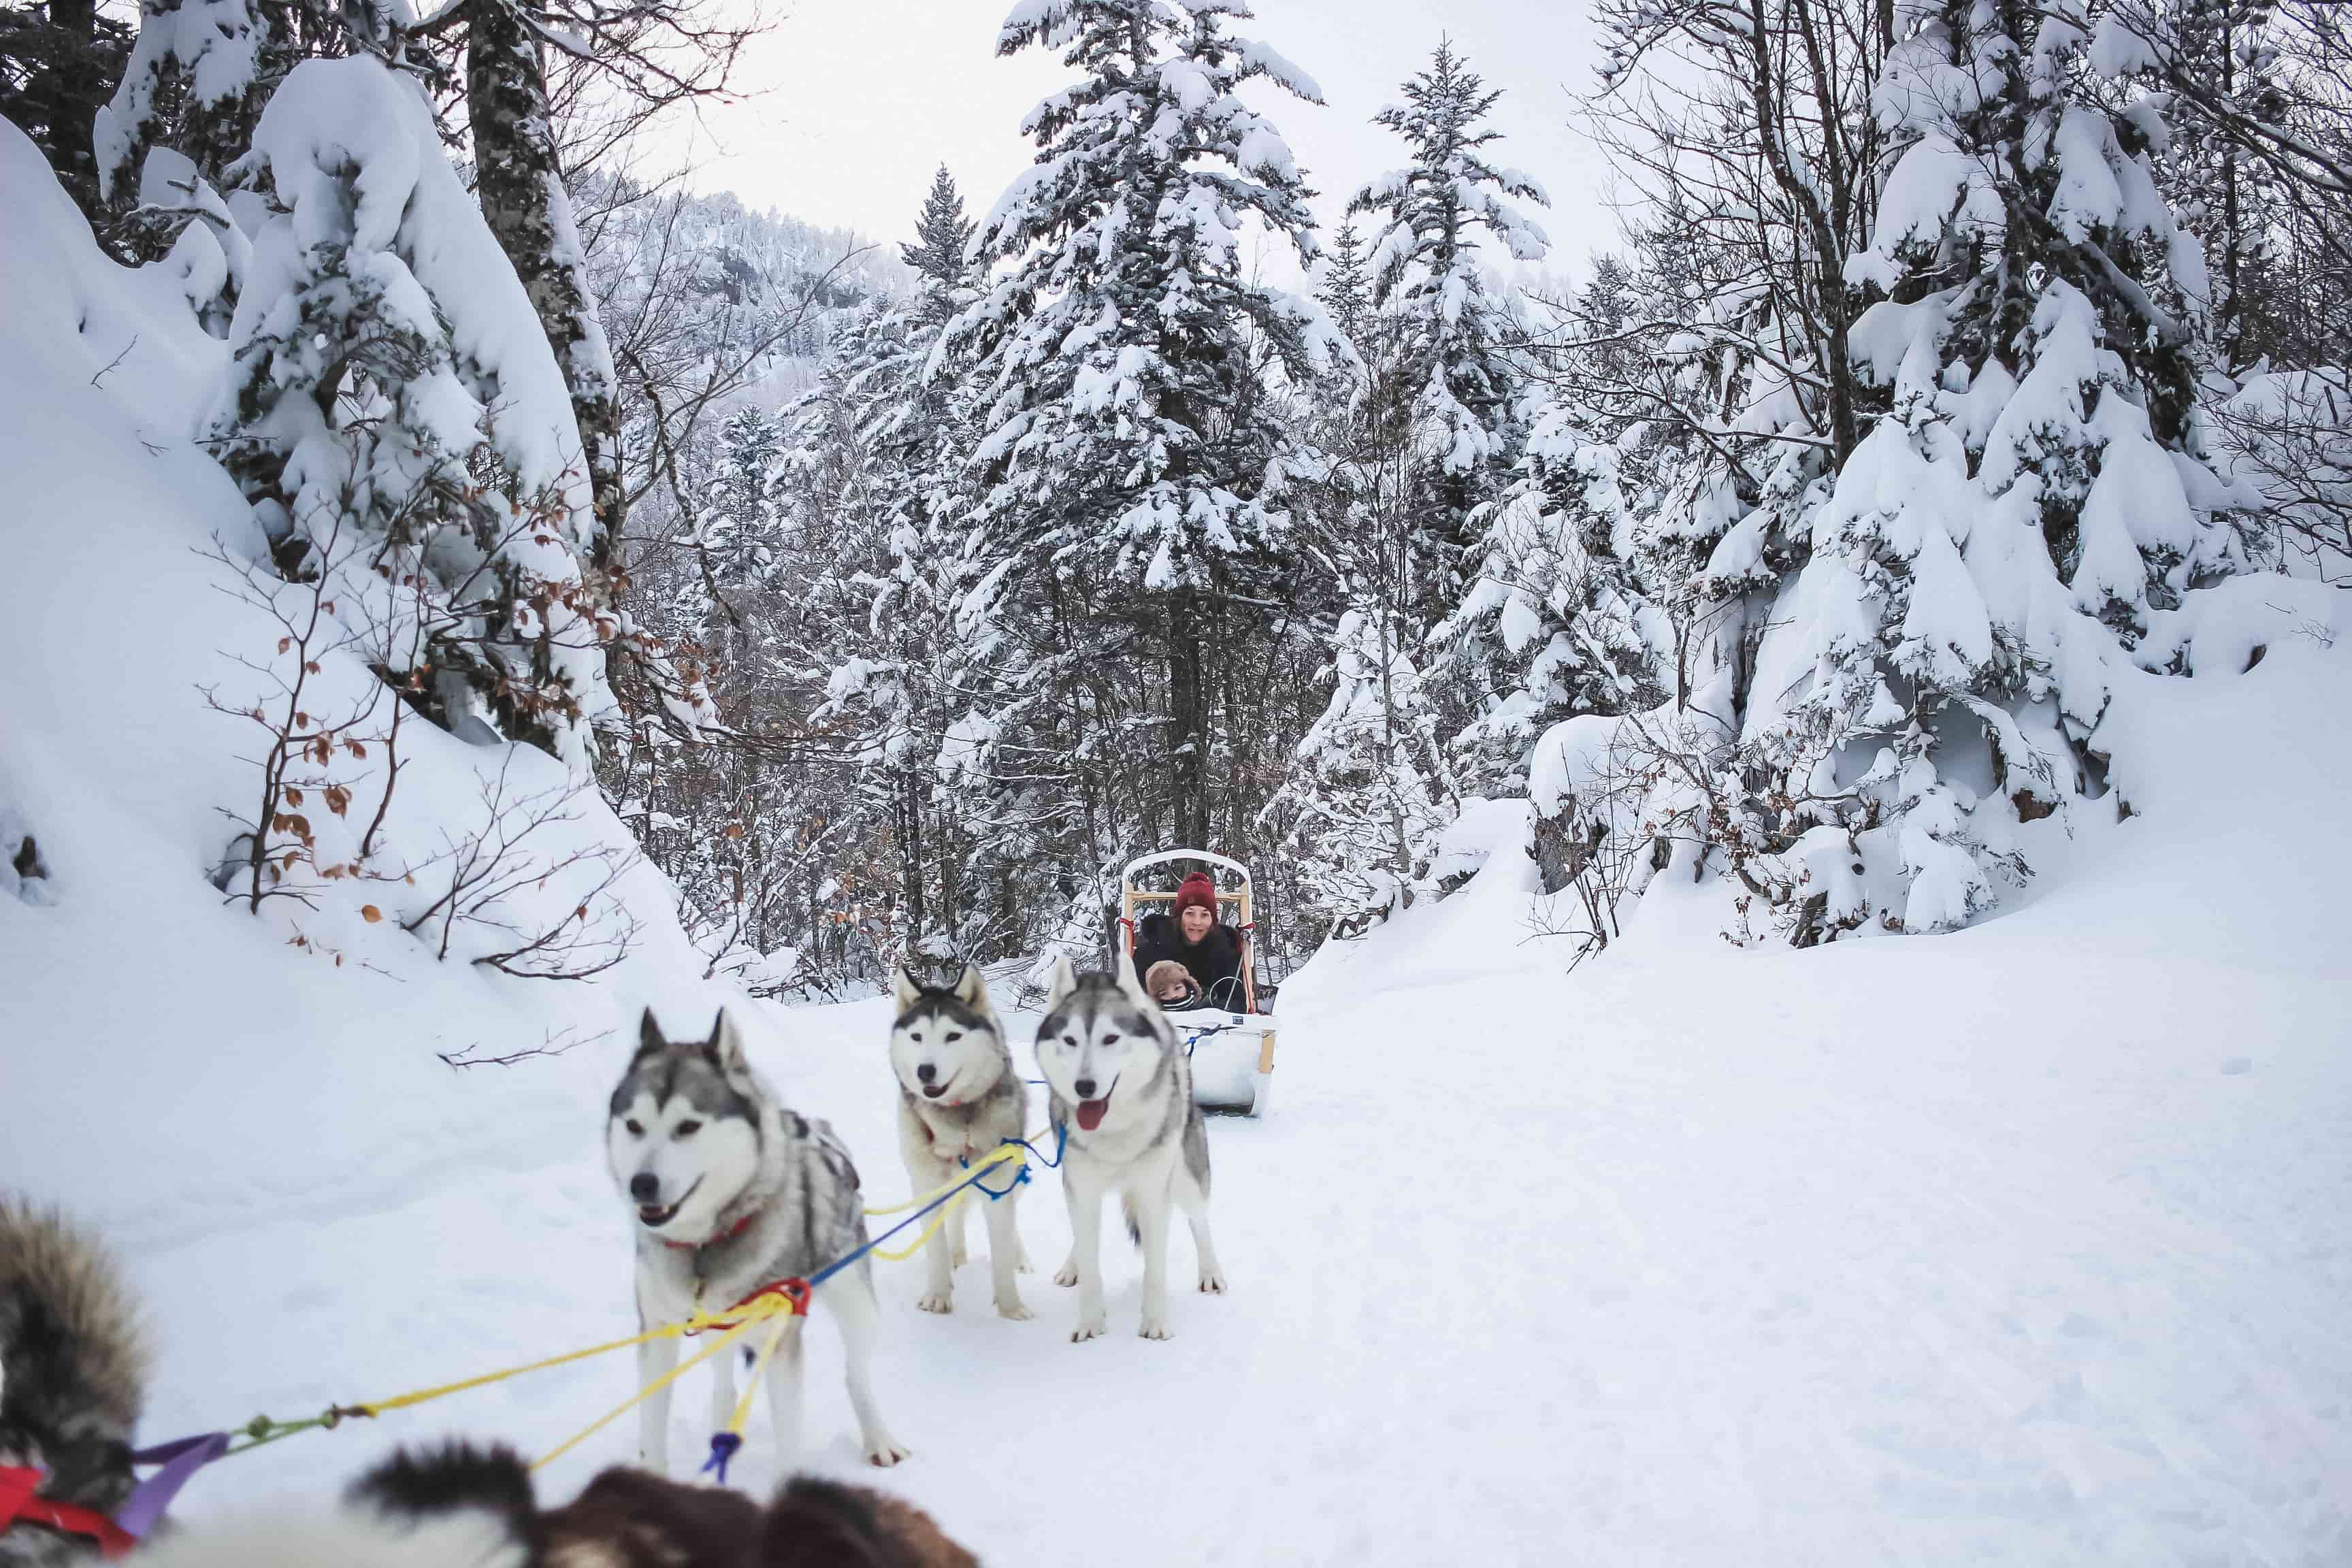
58,64
201,70
1370,793
1553,624
1132,468
1938,670
388,379
939,252
1346,292
1446,328
737,526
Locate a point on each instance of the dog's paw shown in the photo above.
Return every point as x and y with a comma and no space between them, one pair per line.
1016,1310
1211,1283
940,1302
1154,1329
1088,1329
884,1452
1068,1274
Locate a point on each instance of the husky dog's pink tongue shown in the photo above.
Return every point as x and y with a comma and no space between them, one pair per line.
1090,1112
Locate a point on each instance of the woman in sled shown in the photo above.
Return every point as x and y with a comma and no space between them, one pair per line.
1189,958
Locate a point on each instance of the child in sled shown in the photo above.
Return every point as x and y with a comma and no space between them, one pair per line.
1173,986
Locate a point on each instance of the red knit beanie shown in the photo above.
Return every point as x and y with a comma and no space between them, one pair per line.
1196,889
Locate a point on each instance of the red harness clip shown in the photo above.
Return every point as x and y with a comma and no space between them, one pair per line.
795,1289
20,1500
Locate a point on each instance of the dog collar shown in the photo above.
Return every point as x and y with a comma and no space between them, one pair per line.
739,1227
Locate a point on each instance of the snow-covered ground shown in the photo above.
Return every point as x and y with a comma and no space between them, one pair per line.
2026,1244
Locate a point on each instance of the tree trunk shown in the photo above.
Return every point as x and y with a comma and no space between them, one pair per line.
521,183
1188,722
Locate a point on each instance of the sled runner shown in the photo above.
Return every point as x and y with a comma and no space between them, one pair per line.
1230,1041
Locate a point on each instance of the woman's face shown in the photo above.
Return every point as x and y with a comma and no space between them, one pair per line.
1196,921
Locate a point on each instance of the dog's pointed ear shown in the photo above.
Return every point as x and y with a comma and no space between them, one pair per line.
1065,980
971,989
905,987
726,1046
649,1034
1130,982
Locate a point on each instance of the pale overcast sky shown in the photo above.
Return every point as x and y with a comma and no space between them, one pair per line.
863,98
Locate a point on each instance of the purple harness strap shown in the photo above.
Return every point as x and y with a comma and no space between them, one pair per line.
180,1460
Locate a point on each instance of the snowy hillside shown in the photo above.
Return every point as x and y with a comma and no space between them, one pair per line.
2021,1244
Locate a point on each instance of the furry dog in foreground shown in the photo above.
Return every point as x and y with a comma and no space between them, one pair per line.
462,1507
73,1375
959,1097
732,1191
1121,1089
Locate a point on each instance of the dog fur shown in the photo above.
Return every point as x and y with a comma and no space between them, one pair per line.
1121,1095
459,1506
732,1191
960,1097
73,1372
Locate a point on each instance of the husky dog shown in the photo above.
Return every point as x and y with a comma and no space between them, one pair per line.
462,1507
731,1191
1121,1089
73,1375
959,1097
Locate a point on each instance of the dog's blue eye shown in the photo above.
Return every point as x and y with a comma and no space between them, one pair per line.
636,1129
686,1129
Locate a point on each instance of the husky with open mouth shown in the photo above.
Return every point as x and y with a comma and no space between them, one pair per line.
1121,1092
960,1098
732,1191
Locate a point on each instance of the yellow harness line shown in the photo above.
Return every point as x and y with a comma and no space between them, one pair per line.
737,1422
996,1156
730,1319
726,1342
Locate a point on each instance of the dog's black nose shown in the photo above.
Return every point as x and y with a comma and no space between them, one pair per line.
927,1072
644,1186
1085,1088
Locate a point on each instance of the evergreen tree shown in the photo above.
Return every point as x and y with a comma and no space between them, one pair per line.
1133,468
1997,543
1369,794
1346,291
56,62
1428,280
939,252
377,392
1553,624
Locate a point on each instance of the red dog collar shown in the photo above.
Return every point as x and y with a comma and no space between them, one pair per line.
739,1227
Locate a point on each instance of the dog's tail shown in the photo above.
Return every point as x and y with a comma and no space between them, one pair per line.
1134,1222
824,1524
73,1356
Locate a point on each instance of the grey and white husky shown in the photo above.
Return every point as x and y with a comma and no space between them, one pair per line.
732,1191
960,1098
1121,1093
